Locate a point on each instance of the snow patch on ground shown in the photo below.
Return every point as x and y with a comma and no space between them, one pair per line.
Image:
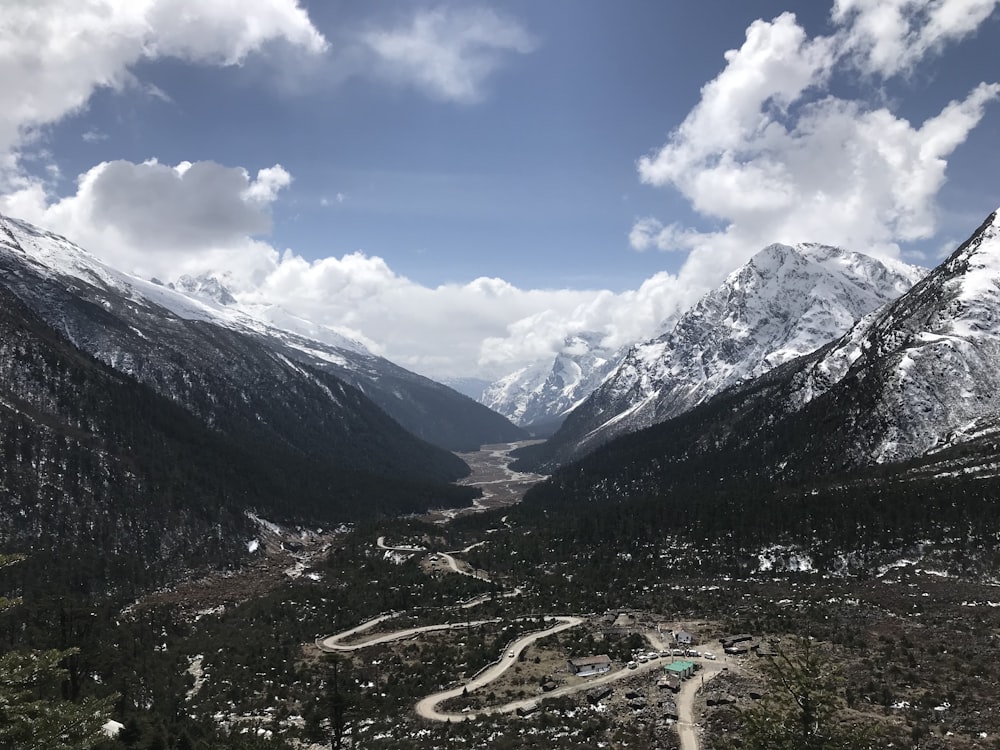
786,559
269,525
195,670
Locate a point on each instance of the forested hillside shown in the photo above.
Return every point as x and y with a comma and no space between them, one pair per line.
120,487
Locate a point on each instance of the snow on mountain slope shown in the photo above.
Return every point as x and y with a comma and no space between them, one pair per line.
425,408
203,298
785,302
930,363
543,393
915,383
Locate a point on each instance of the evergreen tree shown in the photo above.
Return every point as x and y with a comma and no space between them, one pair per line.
33,715
800,711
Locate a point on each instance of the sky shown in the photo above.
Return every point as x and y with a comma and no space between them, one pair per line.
461,185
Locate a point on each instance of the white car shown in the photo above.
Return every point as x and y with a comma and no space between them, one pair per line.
511,654
632,665
709,655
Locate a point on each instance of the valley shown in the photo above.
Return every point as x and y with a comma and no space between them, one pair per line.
491,473
420,655
466,375
241,538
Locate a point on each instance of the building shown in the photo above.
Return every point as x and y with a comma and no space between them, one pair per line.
732,640
670,710
624,621
669,683
767,649
684,638
680,670
585,666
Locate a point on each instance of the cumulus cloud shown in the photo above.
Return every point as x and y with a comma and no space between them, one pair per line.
159,220
55,53
152,218
448,53
886,37
770,155
486,327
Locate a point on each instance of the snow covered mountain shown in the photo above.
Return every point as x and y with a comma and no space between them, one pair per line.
539,396
928,365
142,327
909,395
785,302
140,425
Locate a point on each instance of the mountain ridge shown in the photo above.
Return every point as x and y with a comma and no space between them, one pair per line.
914,381
539,396
429,410
785,302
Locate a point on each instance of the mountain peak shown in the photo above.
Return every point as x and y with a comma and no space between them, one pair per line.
205,287
149,331
930,360
785,302
540,395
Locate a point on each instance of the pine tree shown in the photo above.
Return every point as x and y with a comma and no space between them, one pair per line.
33,715
800,711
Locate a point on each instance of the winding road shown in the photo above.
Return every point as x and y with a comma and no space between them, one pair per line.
687,728
428,706
333,643
406,549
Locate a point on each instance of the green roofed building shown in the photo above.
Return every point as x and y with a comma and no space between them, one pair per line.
679,669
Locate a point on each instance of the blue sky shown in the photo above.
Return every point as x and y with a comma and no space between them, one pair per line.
459,156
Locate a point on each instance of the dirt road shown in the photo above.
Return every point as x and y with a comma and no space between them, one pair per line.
687,729
404,549
333,643
427,706
454,566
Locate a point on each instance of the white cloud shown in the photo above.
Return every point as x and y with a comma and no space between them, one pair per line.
154,219
650,232
269,182
886,37
770,155
337,198
159,220
94,136
448,53
55,53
